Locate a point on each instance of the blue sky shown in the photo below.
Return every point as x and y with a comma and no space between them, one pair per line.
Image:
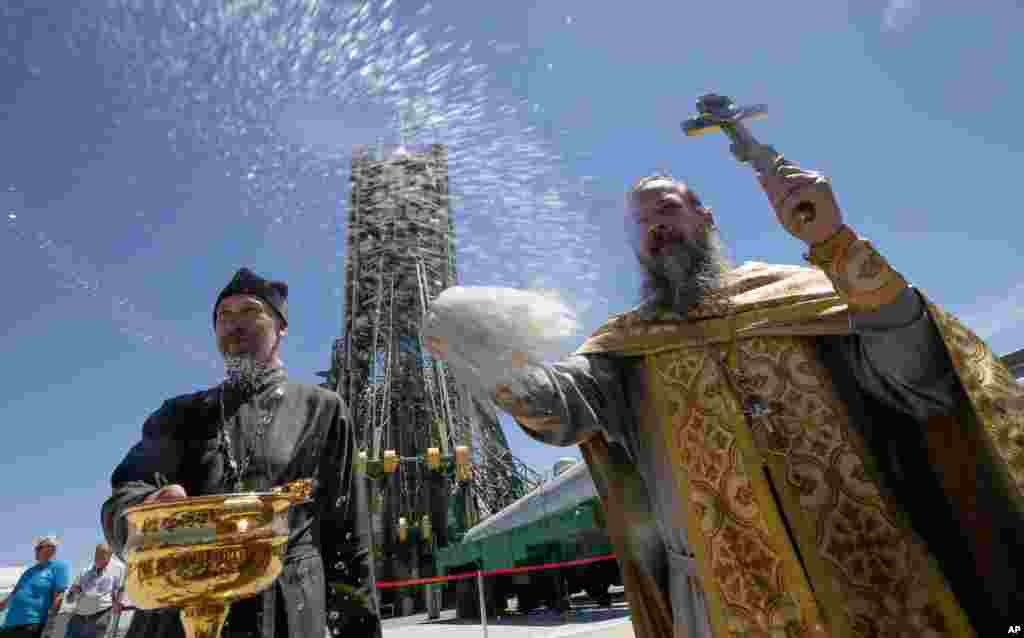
148,153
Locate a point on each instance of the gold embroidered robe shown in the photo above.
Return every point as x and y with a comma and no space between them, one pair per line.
794,532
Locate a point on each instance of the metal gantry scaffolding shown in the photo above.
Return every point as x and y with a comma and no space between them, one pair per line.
1015,362
400,256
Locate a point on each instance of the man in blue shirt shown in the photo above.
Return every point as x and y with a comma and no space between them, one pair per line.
39,590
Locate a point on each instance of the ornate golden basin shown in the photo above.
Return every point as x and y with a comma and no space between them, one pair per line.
201,554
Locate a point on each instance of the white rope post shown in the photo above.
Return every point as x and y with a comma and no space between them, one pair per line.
483,601
113,624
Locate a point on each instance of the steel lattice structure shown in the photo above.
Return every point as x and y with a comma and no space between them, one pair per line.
400,255
1015,362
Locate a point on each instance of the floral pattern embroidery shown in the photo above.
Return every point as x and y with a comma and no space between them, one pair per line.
887,583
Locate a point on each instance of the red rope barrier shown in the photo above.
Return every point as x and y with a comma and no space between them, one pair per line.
532,568
494,572
391,584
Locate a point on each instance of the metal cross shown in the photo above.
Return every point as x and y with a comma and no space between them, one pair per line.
720,113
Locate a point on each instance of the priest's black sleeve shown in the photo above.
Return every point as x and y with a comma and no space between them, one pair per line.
567,402
897,356
345,534
158,454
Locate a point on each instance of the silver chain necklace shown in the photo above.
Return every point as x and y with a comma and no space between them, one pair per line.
235,469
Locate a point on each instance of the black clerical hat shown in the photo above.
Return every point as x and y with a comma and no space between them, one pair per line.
246,282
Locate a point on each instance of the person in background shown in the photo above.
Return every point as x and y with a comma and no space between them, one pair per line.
96,594
38,593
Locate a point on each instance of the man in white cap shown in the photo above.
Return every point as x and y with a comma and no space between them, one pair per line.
37,594
97,592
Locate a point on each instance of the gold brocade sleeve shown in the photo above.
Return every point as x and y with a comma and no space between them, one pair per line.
861,276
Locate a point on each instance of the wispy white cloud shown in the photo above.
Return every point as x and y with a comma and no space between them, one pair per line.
900,13
990,317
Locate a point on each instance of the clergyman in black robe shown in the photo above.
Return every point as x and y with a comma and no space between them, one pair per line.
255,431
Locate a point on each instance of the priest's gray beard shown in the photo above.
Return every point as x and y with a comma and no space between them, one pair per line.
685,274
243,372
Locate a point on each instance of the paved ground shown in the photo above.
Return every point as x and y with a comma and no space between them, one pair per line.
584,621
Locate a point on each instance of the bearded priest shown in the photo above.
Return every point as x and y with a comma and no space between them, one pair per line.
790,450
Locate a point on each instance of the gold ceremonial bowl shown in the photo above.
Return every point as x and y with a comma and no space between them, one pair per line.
201,554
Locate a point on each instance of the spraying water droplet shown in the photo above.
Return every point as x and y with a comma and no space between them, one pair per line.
222,74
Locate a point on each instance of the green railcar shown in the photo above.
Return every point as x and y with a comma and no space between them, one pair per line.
560,521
